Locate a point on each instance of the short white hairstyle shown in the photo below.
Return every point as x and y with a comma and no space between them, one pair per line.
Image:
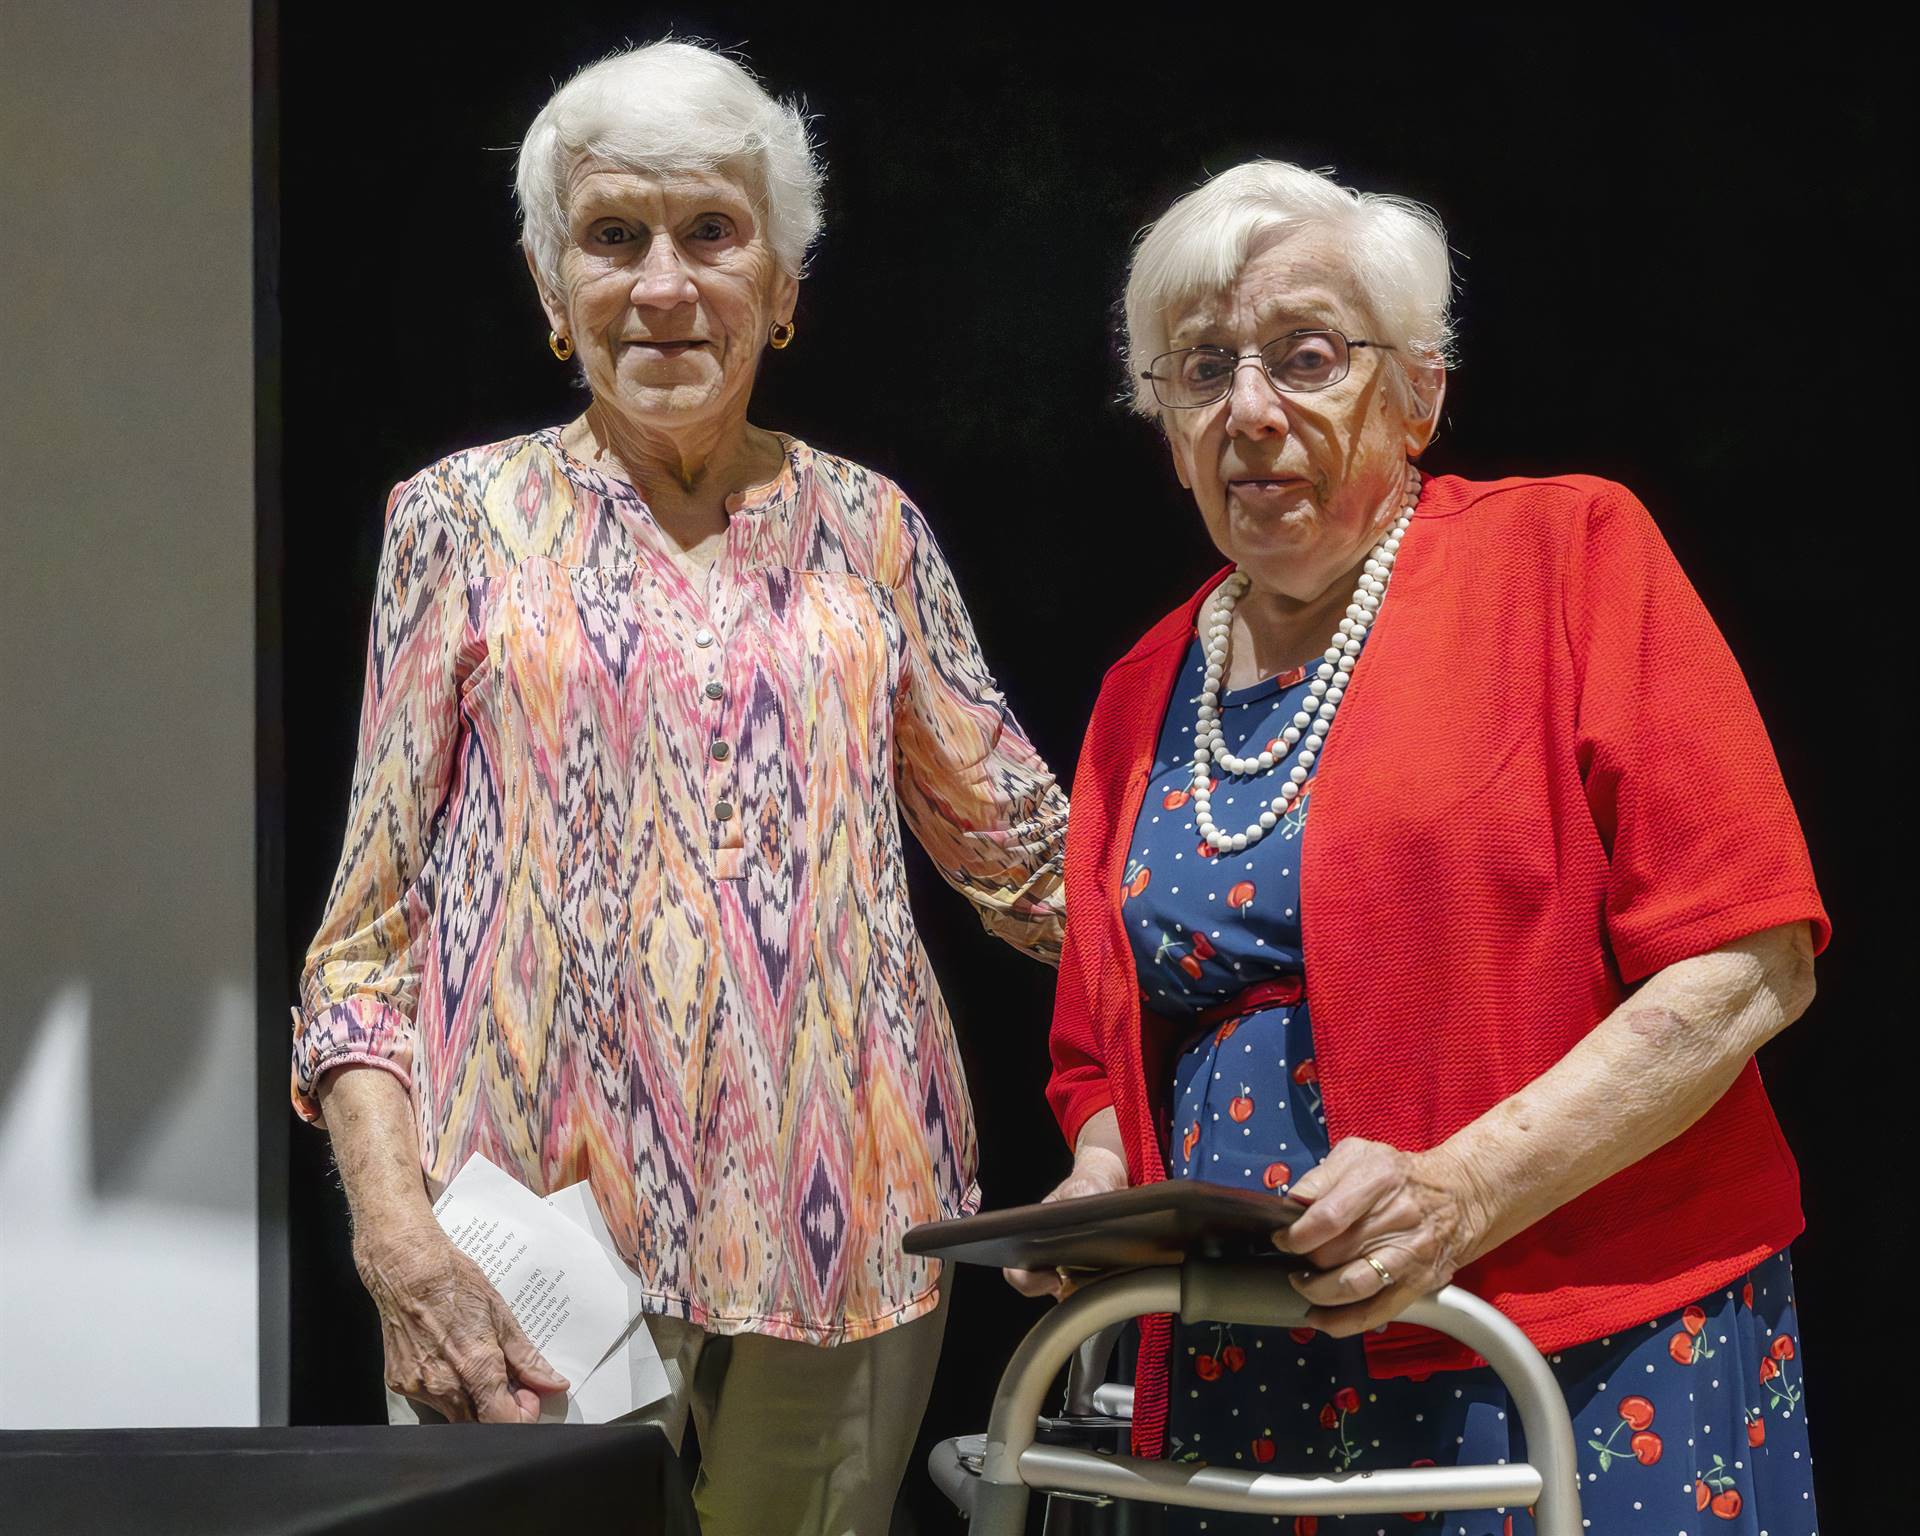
1396,249
671,106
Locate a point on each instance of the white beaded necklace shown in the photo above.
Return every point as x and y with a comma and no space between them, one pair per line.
1307,730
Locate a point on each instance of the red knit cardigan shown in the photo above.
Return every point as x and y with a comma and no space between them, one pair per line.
1547,781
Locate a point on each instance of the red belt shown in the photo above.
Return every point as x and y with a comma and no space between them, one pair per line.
1276,993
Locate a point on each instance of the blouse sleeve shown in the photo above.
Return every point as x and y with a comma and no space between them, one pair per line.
972,787
362,972
1703,844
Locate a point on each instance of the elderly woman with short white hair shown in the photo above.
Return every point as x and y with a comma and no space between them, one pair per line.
1431,864
622,895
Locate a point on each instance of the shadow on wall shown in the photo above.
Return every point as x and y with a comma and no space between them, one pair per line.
128,808
128,878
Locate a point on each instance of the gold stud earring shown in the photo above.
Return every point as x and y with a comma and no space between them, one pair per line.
780,335
560,346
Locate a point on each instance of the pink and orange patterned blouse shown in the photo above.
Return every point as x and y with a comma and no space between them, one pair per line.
623,897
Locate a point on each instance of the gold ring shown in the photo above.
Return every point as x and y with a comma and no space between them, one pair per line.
1379,1269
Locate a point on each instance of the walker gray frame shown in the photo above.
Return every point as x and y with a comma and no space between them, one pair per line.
992,1480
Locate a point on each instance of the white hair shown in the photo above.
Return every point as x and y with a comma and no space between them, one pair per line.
1396,249
670,106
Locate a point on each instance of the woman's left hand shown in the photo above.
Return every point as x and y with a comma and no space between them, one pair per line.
1412,1212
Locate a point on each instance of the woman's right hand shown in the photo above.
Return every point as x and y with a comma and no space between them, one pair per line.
1097,1170
451,1340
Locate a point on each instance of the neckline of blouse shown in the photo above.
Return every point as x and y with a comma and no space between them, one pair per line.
1265,688
795,459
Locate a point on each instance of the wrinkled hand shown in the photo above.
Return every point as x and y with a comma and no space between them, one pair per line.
1096,1171
451,1340
1413,1211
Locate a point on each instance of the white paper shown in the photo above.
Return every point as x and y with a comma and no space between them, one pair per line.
568,1292
631,1376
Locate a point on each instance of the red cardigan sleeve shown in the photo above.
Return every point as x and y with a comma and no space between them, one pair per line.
1078,1088
1703,842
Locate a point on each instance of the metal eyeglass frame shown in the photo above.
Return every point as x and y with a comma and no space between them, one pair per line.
1241,359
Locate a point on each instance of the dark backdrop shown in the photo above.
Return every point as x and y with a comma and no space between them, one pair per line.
1676,254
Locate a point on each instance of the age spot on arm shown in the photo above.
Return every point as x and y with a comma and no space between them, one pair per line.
1656,1025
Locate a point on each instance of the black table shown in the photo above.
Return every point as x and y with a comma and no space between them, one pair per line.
359,1480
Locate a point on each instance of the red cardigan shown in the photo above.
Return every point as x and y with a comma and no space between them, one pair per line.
1547,781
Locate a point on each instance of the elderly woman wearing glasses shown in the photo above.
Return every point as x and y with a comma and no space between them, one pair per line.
622,897
1432,865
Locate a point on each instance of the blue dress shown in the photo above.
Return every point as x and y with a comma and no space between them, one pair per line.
1693,1424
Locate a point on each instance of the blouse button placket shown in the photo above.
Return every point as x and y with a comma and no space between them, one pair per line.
729,830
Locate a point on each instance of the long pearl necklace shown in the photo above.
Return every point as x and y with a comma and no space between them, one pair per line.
1307,730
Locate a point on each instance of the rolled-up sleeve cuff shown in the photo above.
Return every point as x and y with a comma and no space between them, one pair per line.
357,1032
1037,931
1653,943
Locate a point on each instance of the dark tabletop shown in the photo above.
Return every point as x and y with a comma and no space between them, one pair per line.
358,1480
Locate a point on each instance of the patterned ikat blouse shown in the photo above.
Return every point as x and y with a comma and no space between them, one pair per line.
622,895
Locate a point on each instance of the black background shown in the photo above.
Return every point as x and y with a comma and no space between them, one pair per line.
1676,242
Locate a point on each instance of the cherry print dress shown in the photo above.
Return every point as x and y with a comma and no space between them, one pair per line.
1691,1425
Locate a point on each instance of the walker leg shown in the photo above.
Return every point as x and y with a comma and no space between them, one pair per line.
1000,1509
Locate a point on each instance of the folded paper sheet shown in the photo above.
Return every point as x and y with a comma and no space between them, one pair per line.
631,1376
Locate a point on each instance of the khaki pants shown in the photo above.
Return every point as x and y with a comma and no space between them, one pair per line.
795,1440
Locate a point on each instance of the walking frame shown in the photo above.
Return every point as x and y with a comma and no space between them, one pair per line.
991,1477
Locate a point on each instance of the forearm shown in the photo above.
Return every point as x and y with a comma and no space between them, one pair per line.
1651,1068
374,1144
1099,1139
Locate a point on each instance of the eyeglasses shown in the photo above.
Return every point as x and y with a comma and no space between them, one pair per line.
1299,363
